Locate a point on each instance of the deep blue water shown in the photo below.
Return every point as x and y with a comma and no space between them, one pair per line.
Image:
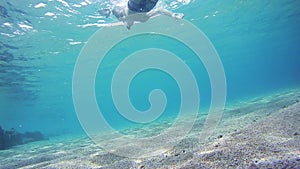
257,41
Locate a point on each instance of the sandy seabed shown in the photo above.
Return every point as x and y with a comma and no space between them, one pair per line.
262,132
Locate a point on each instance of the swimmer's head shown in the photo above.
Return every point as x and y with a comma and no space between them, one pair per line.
118,11
105,12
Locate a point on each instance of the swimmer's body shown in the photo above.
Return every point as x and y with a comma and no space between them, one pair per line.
137,11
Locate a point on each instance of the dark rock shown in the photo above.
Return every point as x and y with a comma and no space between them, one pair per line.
11,138
220,136
33,136
1,131
296,133
1,138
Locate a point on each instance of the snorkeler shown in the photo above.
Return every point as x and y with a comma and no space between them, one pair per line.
137,11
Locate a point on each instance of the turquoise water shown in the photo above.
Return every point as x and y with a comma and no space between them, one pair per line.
257,41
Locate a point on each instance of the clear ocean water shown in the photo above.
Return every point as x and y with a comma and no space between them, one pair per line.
257,41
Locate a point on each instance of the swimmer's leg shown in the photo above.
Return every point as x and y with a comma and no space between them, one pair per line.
162,11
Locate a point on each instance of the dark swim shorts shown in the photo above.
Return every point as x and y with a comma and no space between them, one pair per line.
141,5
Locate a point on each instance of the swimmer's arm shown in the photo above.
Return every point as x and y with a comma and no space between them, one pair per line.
102,24
162,11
